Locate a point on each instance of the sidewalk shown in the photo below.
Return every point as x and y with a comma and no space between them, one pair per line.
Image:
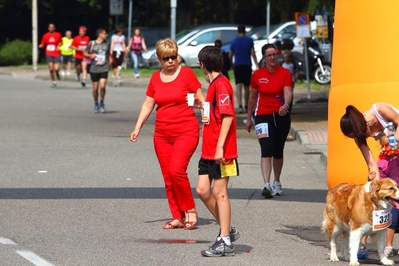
309,117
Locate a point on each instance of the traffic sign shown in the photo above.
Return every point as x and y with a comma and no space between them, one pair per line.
302,25
116,7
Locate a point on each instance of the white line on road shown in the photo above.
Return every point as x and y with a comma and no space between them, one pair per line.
6,241
33,258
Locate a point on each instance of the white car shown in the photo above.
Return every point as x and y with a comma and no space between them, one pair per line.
190,42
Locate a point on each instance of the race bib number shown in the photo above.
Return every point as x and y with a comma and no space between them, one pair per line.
100,59
50,47
262,130
381,219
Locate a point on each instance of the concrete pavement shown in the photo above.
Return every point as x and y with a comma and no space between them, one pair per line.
75,191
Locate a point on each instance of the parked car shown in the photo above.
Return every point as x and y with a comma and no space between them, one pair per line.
191,41
286,30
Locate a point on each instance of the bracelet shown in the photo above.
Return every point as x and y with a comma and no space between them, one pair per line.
137,129
287,106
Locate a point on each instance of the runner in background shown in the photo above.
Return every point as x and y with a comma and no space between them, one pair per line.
67,53
79,44
51,41
118,46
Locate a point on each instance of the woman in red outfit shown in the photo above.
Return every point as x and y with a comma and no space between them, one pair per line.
176,130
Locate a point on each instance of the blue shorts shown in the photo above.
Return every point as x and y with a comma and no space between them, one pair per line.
395,218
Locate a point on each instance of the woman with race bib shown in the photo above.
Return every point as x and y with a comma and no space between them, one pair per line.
269,100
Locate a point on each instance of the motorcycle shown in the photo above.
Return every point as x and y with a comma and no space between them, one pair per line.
319,68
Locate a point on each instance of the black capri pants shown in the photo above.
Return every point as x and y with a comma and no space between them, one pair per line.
278,128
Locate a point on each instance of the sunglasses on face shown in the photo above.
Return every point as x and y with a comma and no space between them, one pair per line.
166,59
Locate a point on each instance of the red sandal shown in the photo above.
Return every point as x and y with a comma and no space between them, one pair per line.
188,225
170,225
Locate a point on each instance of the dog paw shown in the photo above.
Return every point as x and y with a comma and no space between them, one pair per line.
386,261
355,263
334,258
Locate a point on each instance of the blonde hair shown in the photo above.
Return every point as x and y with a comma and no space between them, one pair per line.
166,47
287,53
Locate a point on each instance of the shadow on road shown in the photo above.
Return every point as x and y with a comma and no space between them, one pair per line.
296,195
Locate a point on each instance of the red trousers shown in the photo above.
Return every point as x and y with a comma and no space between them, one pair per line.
174,148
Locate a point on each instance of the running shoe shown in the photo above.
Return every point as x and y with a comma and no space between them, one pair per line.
102,108
219,249
240,109
267,191
234,234
96,109
277,188
83,82
136,76
388,251
54,85
362,254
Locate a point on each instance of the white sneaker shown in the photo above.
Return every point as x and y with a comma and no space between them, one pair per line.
62,73
277,188
267,191
388,251
136,76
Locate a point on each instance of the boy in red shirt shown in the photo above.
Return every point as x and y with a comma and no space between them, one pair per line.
52,41
219,150
79,44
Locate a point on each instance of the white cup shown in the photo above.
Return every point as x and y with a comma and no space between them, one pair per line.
190,99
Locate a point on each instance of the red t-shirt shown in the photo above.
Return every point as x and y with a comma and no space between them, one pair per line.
81,43
51,41
171,99
270,88
221,98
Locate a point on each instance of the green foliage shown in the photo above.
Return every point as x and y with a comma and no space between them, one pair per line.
16,52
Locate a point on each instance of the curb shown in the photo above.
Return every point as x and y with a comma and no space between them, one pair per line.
13,74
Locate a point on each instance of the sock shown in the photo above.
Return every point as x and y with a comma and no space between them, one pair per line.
101,102
226,240
231,228
96,104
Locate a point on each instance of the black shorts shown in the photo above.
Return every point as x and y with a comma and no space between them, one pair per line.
211,168
78,62
118,60
243,74
67,59
95,77
278,127
53,59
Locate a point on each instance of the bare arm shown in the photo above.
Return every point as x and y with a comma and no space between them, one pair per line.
253,97
112,45
129,44
224,130
284,109
254,58
145,112
231,54
389,114
374,173
143,45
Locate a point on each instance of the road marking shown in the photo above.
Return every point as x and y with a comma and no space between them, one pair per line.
33,258
6,241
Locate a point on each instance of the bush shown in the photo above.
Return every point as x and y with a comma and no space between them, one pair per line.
16,52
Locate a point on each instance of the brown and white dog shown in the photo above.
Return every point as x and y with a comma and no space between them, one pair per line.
348,212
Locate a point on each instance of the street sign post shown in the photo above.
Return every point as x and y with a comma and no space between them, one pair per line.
303,31
116,7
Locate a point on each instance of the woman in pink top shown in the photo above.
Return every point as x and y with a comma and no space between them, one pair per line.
136,46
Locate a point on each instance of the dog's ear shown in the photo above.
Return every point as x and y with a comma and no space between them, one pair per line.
375,186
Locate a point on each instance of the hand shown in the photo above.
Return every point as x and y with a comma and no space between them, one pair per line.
284,109
373,174
134,135
93,56
219,155
248,125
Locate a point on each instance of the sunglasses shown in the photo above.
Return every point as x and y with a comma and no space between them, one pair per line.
166,59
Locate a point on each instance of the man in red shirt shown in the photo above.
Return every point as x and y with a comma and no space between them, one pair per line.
219,151
79,44
51,41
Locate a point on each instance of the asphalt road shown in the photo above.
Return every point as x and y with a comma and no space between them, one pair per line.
75,191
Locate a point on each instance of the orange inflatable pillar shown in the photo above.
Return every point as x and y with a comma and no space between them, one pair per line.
365,70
